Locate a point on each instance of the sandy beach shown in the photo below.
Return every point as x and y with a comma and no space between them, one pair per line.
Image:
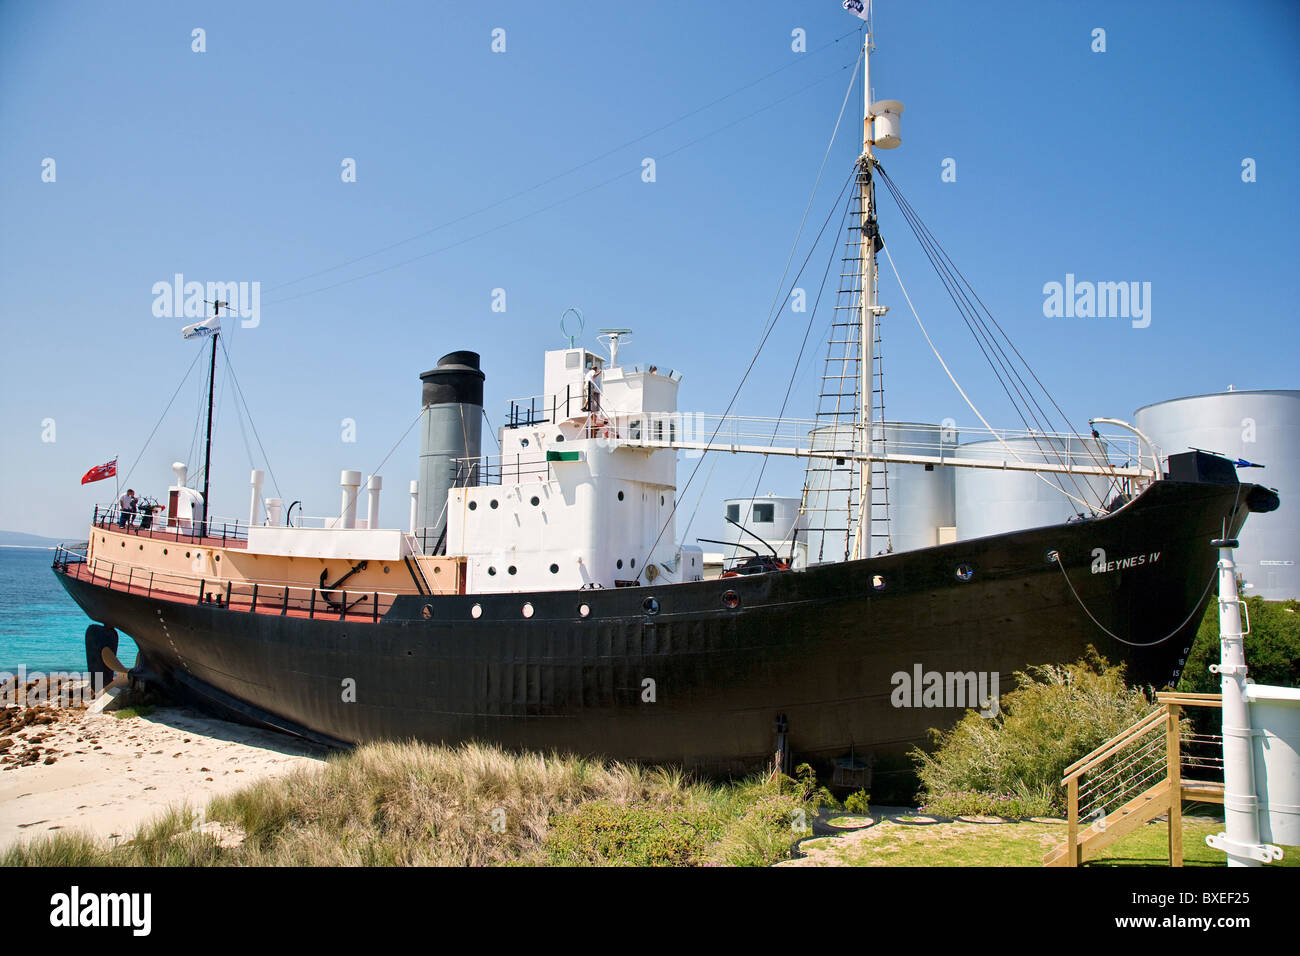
105,775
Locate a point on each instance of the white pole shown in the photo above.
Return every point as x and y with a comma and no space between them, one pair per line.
1240,806
350,482
415,504
255,480
373,486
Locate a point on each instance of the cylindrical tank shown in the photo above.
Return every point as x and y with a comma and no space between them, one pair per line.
451,428
1259,426
770,517
920,502
993,501
830,505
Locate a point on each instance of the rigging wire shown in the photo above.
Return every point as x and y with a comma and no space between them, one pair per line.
573,169
239,393
952,378
749,369
968,293
1023,401
802,348
995,361
184,378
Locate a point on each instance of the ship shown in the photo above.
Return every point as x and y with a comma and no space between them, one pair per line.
539,598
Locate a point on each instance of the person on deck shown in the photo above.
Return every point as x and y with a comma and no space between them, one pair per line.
593,390
126,508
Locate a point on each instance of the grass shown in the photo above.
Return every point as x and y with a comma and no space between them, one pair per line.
904,841
412,805
126,713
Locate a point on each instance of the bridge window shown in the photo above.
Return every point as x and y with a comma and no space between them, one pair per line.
764,514
733,512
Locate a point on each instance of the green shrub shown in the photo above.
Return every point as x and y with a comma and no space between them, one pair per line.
974,803
603,834
1057,714
858,803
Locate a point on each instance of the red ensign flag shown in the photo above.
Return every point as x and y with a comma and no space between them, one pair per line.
100,472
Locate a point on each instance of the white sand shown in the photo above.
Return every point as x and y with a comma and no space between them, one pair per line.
111,775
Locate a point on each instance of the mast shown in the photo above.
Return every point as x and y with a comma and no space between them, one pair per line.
207,445
867,305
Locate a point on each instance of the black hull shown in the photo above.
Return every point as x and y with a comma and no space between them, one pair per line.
819,647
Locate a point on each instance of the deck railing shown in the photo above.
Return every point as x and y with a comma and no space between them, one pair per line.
251,596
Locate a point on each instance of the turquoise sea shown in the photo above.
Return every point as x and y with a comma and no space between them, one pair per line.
40,626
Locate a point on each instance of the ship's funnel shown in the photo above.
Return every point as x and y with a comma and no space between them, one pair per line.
451,430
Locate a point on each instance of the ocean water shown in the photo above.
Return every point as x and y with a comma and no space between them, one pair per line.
40,626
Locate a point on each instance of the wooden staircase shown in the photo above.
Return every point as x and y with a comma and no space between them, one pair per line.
1135,777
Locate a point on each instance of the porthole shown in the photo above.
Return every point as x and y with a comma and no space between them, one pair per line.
650,606
619,564
535,501
730,599
634,562
141,547
164,550
187,554
559,438
492,572
965,572
878,582
428,611
493,503
511,569
122,543
661,501
620,496
385,569
528,610
555,569
216,557
584,610
473,506
476,611
523,443
437,569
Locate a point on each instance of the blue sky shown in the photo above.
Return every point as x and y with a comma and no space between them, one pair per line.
225,165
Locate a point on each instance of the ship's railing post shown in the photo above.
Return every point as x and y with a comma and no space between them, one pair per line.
343,608
311,610
203,583
284,605
130,573
252,608
374,611
150,591
228,583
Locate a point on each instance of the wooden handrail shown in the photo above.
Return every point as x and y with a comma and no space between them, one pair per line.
1190,700
1115,743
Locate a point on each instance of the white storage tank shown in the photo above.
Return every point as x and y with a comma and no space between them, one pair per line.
830,507
922,498
993,501
1260,426
771,517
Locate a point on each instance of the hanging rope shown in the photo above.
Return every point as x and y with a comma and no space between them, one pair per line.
184,379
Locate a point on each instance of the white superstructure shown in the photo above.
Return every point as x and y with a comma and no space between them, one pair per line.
566,505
